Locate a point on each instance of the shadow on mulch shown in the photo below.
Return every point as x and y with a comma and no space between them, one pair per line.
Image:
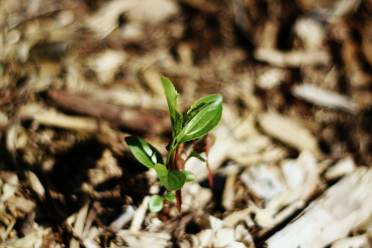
63,184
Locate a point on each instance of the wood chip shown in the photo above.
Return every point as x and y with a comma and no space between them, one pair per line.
271,78
55,119
229,192
105,20
361,241
35,184
3,120
79,225
324,98
195,197
341,168
123,219
232,219
134,118
9,188
144,239
292,59
288,131
139,215
153,11
152,79
106,64
343,207
263,180
311,33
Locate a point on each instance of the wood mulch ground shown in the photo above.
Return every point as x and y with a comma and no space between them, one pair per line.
292,154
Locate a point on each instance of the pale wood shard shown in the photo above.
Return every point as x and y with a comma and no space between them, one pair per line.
284,189
134,118
342,8
32,239
153,11
229,192
104,21
79,225
52,118
195,197
232,219
288,131
106,64
152,80
311,32
324,98
270,79
3,120
342,208
341,168
123,219
35,184
139,215
292,59
144,239
360,241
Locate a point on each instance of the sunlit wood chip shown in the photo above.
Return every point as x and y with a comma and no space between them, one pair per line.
324,98
288,131
341,168
139,215
356,241
342,208
106,64
35,184
144,239
292,59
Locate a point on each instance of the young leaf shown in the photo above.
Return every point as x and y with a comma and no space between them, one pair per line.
202,122
170,179
199,105
145,153
176,179
189,176
156,203
162,173
170,196
171,95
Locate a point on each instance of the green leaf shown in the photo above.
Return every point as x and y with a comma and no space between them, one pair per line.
170,179
171,95
156,203
202,119
170,196
176,179
189,176
162,173
197,106
145,153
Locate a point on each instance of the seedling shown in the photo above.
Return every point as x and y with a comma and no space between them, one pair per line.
192,126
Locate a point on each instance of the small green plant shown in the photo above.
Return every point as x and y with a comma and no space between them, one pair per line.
190,127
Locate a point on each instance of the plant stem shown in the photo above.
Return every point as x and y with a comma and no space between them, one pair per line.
171,164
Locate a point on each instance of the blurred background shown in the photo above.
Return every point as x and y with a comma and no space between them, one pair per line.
293,147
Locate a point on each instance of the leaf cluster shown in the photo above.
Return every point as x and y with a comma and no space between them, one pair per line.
195,123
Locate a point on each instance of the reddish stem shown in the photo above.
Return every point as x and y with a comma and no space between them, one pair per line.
177,163
210,173
179,200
